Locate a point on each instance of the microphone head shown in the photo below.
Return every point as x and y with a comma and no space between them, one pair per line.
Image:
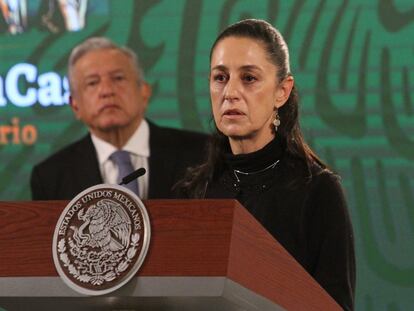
135,174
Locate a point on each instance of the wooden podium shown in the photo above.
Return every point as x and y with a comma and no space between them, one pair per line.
203,255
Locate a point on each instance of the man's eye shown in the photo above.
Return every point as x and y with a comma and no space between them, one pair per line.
119,78
91,83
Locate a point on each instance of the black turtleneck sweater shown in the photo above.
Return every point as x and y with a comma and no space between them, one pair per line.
306,213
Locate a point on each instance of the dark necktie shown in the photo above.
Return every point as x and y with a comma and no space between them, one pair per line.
122,160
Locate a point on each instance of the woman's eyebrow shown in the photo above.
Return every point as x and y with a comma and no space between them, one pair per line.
244,67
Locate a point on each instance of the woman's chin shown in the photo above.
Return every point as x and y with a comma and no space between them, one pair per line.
233,132
232,128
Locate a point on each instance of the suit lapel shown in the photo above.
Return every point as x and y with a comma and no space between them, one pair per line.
86,173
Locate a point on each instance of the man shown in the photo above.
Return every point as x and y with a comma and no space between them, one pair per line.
109,95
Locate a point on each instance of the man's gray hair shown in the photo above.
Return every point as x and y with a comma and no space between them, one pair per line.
100,43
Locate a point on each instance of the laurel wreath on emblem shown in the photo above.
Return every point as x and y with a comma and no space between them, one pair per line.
86,273
105,250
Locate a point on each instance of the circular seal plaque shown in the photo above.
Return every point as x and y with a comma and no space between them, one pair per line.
101,239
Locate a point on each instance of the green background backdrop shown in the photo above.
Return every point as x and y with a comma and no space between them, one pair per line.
353,64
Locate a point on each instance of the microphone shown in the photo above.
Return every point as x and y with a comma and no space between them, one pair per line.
135,174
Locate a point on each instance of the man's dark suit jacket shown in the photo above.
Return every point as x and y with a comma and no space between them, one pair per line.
73,169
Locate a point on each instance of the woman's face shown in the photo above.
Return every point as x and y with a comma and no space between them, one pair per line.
244,91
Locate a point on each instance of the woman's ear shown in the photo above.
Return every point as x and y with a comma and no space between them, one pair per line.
283,91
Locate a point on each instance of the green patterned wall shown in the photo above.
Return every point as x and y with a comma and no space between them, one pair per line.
353,63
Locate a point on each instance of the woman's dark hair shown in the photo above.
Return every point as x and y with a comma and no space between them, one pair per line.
289,130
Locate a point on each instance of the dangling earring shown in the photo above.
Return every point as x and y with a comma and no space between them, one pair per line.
276,121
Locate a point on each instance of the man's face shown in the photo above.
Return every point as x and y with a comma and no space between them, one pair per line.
107,94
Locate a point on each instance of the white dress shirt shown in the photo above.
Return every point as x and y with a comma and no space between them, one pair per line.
137,146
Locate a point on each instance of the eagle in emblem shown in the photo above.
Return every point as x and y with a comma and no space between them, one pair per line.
105,225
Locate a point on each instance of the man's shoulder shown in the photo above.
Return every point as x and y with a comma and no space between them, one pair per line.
66,172
67,154
174,136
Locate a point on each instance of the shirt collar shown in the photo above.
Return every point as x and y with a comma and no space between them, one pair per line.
138,144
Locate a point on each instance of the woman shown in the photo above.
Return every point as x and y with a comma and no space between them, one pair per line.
258,156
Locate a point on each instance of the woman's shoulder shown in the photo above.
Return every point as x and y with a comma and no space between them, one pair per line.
324,176
326,190
310,174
